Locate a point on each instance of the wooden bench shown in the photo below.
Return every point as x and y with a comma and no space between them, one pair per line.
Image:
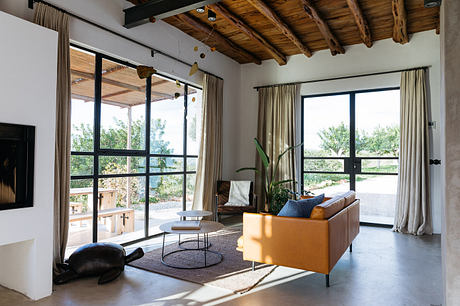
121,219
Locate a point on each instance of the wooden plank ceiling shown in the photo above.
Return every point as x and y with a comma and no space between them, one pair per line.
255,30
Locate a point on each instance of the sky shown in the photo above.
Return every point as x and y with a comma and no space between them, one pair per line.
373,109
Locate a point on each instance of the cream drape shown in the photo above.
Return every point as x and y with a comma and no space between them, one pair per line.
53,19
209,168
276,132
413,213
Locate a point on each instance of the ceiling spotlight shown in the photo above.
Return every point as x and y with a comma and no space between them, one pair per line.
432,3
200,10
211,16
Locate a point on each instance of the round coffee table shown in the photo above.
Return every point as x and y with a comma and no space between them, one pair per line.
206,228
193,214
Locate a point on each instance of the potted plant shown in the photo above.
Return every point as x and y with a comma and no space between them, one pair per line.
269,182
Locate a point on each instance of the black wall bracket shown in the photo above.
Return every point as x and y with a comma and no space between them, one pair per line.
435,161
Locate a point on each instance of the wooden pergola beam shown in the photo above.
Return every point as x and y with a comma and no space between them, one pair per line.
331,40
90,76
250,32
400,22
207,30
271,15
361,22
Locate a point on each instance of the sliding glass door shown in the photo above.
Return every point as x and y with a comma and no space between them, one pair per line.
134,146
351,141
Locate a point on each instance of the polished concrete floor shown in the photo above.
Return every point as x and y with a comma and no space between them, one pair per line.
385,268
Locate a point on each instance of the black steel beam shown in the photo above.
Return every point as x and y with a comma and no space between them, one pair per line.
159,9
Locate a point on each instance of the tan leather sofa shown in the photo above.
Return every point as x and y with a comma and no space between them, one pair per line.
313,244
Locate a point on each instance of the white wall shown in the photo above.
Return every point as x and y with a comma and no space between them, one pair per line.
28,96
159,35
450,116
385,55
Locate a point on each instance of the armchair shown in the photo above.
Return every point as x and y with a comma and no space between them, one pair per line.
223,190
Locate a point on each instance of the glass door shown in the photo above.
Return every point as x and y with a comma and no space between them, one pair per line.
377,152
326,144
351,141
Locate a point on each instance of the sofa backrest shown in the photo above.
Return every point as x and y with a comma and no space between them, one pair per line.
332,206
329,208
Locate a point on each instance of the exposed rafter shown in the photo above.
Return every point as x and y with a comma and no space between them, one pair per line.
104,73
271,15
331,40
219,38
400,22
361,22
250,32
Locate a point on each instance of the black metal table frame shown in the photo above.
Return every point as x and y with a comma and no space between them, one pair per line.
204,249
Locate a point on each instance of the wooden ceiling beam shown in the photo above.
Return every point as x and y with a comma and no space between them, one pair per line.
271,15
219,38
331,40
361,22
400,22
250,32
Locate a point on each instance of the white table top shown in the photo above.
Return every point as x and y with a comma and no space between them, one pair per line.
206,227
194,213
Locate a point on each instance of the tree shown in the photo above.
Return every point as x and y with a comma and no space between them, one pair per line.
116,137
337,140
384,141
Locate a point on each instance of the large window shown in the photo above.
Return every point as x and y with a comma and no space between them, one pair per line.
351,141
134,150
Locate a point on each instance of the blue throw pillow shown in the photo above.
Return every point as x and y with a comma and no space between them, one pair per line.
301,208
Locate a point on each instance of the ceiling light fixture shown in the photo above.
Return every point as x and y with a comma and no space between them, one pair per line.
200,10
432,3
211,16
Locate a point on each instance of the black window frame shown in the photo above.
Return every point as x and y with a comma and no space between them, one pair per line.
350,162
98,152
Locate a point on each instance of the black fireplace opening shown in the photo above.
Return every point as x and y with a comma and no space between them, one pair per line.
17,147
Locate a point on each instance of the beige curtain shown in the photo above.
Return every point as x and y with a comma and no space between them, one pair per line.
53,19
209,168
276,132
413,213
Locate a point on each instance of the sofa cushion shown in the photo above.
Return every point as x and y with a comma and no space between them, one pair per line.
301,208
240,244
350,197
329,208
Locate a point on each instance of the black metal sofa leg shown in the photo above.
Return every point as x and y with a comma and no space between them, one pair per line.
327,280
253,266
351,247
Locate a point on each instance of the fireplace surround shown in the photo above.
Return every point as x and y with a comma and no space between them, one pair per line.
17,144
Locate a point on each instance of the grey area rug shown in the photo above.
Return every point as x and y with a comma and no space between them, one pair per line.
233,273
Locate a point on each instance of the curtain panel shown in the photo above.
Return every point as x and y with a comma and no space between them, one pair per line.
209,166
276,131
58,21
413,212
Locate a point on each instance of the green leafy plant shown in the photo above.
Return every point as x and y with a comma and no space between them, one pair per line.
270,184
279,197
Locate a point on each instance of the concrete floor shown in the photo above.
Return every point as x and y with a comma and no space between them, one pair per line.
385,268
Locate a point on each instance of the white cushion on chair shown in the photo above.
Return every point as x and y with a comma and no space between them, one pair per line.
239,193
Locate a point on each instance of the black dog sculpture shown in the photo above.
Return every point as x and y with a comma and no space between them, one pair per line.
104,259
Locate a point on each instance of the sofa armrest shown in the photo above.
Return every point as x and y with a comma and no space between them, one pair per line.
294,242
